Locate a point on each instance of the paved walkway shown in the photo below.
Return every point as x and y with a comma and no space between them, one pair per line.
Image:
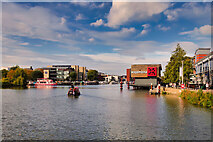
178,91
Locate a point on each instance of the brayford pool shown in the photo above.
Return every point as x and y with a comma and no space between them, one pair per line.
102,112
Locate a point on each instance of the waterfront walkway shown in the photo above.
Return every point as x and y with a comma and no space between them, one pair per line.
178,91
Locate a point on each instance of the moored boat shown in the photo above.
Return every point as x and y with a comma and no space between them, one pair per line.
45,82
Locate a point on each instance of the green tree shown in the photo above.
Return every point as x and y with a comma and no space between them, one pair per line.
171,74
73,76
14,68
36,74
92,75
3,73
17,77
29,73
5,82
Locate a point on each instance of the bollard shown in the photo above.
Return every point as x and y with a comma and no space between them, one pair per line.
151,86
121,85
158,88
128,85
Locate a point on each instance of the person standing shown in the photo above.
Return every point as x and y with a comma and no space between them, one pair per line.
207,86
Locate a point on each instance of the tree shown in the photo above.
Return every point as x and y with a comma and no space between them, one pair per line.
5,82
3,73
36,74
171,74
73,76
14,68
92,75
29,73
187,68
17,77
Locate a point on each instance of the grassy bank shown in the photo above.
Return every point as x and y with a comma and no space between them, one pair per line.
200,98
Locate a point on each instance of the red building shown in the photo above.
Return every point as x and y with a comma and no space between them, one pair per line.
128,74
200,53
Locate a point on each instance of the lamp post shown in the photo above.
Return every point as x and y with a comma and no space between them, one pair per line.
182,72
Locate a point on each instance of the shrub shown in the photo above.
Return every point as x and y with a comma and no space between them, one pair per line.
164,92
198,98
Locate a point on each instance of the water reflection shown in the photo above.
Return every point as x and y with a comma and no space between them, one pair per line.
101,112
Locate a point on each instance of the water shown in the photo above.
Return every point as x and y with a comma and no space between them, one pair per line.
101,113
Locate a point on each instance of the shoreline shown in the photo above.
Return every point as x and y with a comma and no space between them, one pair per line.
178,91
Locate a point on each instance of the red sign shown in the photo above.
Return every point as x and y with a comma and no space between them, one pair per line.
152,71
182,86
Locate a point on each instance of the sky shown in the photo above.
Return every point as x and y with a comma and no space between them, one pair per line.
106,36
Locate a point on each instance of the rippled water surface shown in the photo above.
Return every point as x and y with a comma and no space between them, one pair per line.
101,113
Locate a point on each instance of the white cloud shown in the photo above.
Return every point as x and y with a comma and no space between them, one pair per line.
145,29
143,32
146,26
110,57
91,39
162,28
97,5
20,21
24,43
97,23
191,11
202,31
80,3
112,35
79,17
63,20
124,12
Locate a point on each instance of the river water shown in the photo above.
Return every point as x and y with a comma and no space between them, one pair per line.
101,112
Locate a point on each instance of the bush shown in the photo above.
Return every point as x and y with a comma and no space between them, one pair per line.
164,92
5,82
198,98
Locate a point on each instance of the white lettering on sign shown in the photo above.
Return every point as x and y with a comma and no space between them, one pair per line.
138,71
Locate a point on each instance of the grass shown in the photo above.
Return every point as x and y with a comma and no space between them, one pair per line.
198,98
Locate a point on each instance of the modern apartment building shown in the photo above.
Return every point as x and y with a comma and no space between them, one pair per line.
201,53
61,72
204,70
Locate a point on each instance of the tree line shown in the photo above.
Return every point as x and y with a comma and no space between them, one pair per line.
17,76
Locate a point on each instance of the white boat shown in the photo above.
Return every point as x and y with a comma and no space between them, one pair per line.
45,82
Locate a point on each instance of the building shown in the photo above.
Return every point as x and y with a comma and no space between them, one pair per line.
110,78
101,76
201,53
62,72
204,70
145,74
82,73
128,75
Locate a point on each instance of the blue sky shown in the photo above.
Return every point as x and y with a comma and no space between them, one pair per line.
106,36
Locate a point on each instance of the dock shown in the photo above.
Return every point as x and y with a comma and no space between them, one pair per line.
154,92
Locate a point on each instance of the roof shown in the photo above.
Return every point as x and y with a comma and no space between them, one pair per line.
202,51
201,60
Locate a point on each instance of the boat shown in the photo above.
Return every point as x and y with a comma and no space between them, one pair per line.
74,92
44,82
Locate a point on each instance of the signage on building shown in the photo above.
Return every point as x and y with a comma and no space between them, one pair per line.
138,71
152,71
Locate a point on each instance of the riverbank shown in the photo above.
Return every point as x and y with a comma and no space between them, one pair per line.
178,91
197,97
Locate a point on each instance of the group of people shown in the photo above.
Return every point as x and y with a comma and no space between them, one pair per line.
73,91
